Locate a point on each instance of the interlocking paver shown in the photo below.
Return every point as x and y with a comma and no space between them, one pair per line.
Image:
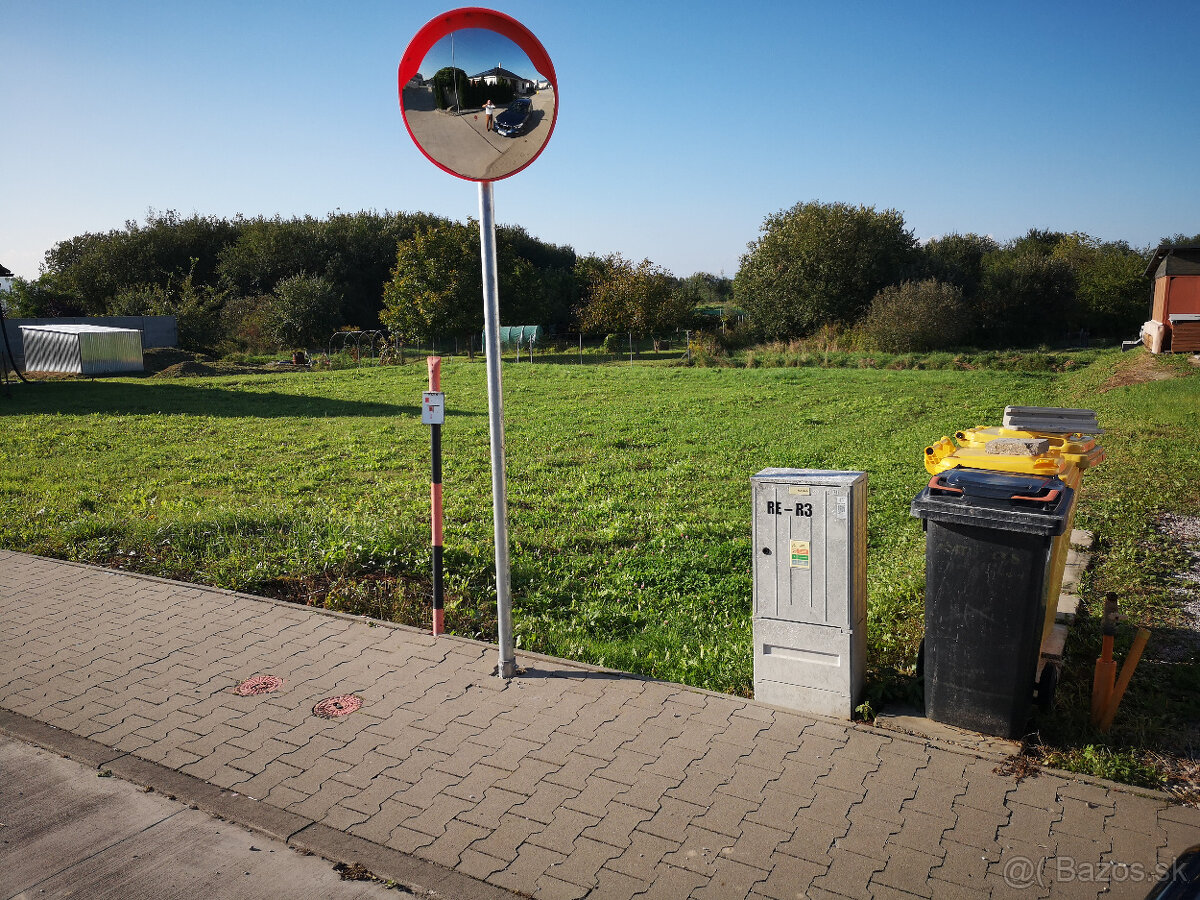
813,839
545,801
617,824
849,873
562,783
448,847
699,851
379,826
731,878
964,865
1081,818
907,869
564,830
934,797
531,863
597,795
923,831
757,845
511,832
790,878
643,854
726,813
614,885
672,818
671,883
976,827
830,804
480,865
550,887
1025,823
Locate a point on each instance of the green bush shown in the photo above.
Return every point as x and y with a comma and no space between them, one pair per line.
304,312
615,343
915,317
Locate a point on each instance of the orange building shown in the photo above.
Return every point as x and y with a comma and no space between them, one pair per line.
1174,324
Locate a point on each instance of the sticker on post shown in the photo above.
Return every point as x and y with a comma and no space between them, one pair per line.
801,555
433,408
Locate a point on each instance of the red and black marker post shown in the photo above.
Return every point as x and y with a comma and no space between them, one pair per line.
433,414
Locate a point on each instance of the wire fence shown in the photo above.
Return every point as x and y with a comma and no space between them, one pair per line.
570,348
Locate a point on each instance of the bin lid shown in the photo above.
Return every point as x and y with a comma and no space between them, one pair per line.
943,456
981,434
1028,503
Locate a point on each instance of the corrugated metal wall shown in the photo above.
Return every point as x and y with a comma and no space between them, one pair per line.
157,331
107,352
101,352
51,351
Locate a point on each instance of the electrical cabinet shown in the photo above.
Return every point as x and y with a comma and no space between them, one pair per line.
810,588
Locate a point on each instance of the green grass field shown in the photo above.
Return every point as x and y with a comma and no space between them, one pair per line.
629,500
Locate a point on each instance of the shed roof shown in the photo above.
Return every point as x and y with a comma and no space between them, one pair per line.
79,329
1183,259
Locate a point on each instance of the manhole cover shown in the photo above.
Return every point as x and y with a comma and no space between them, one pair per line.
259,684
332,707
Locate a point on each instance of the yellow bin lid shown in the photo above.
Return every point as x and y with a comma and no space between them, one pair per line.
944,455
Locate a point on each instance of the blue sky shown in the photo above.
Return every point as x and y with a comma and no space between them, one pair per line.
681,125
476,50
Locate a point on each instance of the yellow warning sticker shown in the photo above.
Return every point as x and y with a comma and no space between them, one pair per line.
801,557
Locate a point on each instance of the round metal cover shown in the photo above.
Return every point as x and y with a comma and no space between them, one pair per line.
332,707
259,684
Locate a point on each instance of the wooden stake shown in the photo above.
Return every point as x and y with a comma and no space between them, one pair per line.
1131,662
1106,667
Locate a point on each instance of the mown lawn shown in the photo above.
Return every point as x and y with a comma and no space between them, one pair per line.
629,496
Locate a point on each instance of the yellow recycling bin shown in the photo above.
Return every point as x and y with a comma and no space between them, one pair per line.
1067,458
1083,451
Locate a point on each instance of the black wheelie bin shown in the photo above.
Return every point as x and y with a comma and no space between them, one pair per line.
988,542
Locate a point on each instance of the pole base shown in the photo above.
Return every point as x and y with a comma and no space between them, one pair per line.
507,668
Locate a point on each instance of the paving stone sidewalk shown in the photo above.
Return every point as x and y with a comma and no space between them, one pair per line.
565,782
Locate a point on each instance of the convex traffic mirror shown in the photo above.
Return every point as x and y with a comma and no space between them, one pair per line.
478,94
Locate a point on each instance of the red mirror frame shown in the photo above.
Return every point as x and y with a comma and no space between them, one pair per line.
474,17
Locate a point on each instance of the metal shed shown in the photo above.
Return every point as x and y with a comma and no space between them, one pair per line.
82,349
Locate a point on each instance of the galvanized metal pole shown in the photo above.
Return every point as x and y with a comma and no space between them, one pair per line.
491,327
435,496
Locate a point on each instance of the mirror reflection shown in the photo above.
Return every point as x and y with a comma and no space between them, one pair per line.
478,106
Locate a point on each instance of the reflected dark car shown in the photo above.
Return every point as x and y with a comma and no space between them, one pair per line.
514,120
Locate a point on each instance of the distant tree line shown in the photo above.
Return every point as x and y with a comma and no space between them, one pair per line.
819,265
262,285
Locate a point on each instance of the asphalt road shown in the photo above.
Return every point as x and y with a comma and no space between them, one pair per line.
65,831
462,143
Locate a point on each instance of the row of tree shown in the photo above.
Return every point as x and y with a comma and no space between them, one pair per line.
818,264
266,284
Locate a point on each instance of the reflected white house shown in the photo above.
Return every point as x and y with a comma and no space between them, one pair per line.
499,74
